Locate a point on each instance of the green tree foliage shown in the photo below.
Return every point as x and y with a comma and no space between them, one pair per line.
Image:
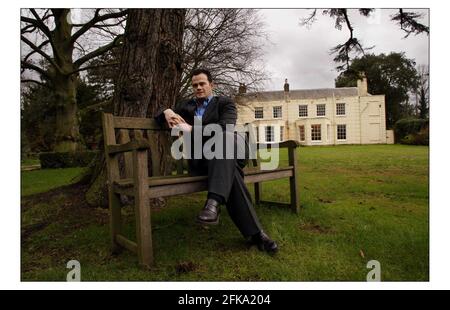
412,131
92,101
38,115
53,37
423,91
38,118
392,75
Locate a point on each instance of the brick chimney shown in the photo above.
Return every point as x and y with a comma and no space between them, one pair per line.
286,86
242,88
286,90
362,85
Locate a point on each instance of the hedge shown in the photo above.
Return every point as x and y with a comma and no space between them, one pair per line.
408,130
420,138
66,159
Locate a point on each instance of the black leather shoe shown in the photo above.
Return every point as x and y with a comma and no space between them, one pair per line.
210,213
264,243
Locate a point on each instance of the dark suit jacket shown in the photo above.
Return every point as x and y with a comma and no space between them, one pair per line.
220,110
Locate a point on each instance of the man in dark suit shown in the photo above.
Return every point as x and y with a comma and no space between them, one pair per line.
225,176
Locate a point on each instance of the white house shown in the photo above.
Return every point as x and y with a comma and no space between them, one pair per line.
329,116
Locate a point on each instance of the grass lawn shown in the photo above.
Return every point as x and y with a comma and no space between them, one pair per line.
29,162
359,203
38,181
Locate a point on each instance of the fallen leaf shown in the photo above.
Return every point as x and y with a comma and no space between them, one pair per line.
361,253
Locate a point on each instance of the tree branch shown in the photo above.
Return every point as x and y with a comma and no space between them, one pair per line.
97,52
41,25
27,65
28,29
94,67
37,24
39,51
409,24
97,18
33,81
34,51
343,51
308,21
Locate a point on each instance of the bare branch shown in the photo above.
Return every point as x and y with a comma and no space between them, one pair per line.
35,51
95,67
33,81
39,51
41,24
96,19
80,47
308,21
33,23
98,52
38,23
226,41
27,65
28,29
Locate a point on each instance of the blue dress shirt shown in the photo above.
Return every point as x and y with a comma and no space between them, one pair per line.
201,107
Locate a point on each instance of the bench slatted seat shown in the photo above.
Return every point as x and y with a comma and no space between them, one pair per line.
164,186
130,139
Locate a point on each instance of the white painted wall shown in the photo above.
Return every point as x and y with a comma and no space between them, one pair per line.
364,119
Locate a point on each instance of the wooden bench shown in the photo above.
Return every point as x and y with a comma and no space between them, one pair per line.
131,137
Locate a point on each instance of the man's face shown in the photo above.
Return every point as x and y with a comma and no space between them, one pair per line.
202,87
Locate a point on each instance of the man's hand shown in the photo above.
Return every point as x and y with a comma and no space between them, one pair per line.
173,118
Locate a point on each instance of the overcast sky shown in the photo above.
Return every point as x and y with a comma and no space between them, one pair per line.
302,55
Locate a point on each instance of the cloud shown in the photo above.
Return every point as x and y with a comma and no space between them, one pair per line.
303,55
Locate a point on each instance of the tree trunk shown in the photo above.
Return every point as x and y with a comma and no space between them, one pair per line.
423,109
65,85
148,79
67,127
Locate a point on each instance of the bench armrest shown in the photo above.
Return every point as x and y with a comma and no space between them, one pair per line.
138,144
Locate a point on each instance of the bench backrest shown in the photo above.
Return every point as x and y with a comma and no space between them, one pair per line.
120,130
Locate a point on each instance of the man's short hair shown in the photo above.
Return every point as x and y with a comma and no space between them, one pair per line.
202,71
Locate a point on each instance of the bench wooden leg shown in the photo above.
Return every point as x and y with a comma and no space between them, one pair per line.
295,194
293,181
144,232
142,209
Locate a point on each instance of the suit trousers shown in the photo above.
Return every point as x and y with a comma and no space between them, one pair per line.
226,178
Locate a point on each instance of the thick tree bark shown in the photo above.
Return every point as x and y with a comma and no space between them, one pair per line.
65,84
60,69
148,80
150,71
68,137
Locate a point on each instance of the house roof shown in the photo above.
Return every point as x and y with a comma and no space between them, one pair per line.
299,94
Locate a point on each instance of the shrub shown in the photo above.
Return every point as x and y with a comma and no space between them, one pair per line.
406,130
420,138
66,159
